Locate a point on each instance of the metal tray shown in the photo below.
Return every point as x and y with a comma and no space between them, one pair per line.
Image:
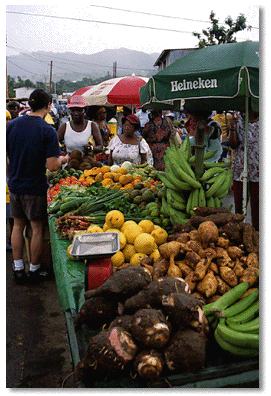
94,245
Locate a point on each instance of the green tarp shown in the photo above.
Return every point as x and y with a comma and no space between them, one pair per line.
69,275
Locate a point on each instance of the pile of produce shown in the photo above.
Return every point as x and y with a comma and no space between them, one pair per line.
234,318
184,191
161,328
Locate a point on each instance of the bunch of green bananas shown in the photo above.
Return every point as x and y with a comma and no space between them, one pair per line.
184,191
236,323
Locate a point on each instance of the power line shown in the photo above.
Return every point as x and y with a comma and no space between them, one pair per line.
94,21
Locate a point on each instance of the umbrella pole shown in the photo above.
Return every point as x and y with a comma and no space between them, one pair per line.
199,149
245,177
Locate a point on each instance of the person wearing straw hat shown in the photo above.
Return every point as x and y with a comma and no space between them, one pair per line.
77,132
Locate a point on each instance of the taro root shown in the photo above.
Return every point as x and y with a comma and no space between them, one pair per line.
186,351
194,245
108,352
96,312
160,268
207,233
123,283
184,310
238,269
189,279
208,285
123,321
76,154
149,364
193,235
150,328
222,242
151,295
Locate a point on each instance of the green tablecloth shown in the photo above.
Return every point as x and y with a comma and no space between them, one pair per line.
69,275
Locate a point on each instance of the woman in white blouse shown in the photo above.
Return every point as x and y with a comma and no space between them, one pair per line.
128,146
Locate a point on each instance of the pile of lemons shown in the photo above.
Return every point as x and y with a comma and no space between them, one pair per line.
137,240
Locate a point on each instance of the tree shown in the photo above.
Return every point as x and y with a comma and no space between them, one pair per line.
221,34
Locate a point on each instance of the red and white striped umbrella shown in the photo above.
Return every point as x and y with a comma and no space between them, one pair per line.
119,91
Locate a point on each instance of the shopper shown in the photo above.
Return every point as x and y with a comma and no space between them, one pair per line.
32,144
100,119
157,133
128,146
237,143
77,132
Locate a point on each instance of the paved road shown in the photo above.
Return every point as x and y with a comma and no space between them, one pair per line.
37,353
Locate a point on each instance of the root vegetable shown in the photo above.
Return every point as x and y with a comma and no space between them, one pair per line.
222,286
194,245
252,260
187,351
108,352
192,258
124,283
170,250
238,269
207,233
151,295
235,252
193,235
123,321
233,232
149,364
201,269
208,285
228,275
205,211
183,237
96,312
250,275
222,242
184,310
160,268
189,280
186,270
150,328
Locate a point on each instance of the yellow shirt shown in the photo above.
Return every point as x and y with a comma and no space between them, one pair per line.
7,193
221,119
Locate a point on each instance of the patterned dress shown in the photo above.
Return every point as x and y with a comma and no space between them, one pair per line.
253,152
158,139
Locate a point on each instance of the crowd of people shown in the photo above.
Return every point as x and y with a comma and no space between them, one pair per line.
34,145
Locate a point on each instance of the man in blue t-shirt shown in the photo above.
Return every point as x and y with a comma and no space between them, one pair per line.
32,145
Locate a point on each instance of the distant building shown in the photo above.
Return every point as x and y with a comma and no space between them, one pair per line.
169,56
23,92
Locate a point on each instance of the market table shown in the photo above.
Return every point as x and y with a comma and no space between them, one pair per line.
221,371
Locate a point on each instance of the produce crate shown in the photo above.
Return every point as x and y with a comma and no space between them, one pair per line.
221,371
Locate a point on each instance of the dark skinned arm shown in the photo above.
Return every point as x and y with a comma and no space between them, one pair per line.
98,148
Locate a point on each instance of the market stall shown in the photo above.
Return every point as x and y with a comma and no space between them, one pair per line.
70,217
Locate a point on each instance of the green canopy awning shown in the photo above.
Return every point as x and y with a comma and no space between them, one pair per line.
212,78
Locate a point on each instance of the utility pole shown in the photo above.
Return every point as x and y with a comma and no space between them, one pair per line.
115,69
51,72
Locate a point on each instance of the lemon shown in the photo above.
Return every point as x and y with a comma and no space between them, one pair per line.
114,219
155,255
128,251
144,243
146,225
160,235
94,228
117,259
131,232
105,227
126,224
136,258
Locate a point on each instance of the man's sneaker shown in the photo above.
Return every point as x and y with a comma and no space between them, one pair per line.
19,276
41,274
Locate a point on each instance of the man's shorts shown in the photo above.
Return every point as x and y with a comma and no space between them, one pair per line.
31,207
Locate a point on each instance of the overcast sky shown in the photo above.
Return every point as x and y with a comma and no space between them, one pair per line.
90,35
